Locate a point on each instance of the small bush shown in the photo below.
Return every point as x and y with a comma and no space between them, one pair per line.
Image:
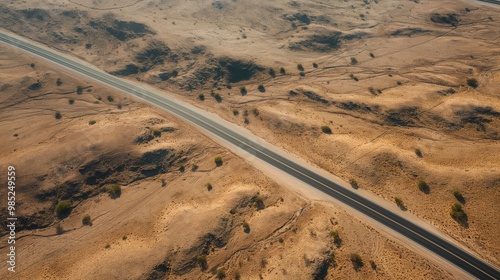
326,129
243,90
221,274
110,98
218,98
372,55
373,265
246,121
423,186
156,133
419,154
59,230
472,83
71,101
246,227
357,261
458,213
124,237
272,73
336,237
115,191
63,207
182,168
201,97
302,74
32,65
282,71
236,112
107,246
91,122
58,82
458,195
315,65
261,88
255,112
194,167
58,115
218,161
209,186
87,221
79,89
175,73
354,61
300,67
354,184
399,202
202,261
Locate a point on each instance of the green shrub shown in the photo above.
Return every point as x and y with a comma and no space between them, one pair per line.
399,201
326,129
302,74
373,265
357,261
255,112
175,73
336,237
71,101
58,115
87,221
472,83
457,212
63,207
418,152
156,133
88,46
218,161
110,98
246,227
209,186
32,65
354,61
282,71
372,55
107,246
201,97
236,112
218,98
458,195
272,73
300,67
59,230
354,184
79,89
202,261
221,274
58,82
124,237
423,186
194,167
115,191
315,65
91,122
261,88
243,90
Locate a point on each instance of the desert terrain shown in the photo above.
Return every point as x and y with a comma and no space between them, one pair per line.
400,98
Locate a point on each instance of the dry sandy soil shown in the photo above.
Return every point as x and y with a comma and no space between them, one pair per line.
392,79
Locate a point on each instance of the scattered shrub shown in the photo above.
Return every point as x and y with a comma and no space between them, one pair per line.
282,71
221,274
261,88
472,83
107,246
115,191
156,133
209,186
91,122
63,207
86,221
71,101
202,261
58,115
218,98
354,61
124,237
182,167
201,96
354,184
458,195
336,237
302,73
236,112
372,55
458,213
272,73
175,73
423,186
246,121
315,65
399,202
300,67
88,46
243,90
419,154
58,82
59,230
110,98
326,129
218,161
194,167
255,112
32,65
79,89
357,262
246,227
373,265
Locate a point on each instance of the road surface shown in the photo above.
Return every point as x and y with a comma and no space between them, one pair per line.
455,255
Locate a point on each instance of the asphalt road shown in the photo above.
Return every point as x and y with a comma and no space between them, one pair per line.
462,259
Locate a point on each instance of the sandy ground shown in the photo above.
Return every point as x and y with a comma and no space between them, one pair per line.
406,89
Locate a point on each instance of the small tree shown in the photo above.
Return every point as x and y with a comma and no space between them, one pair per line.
255,112
218,161
357,261
372,55
87,221
458,195
326,129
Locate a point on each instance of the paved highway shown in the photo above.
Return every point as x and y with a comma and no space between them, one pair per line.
455,255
